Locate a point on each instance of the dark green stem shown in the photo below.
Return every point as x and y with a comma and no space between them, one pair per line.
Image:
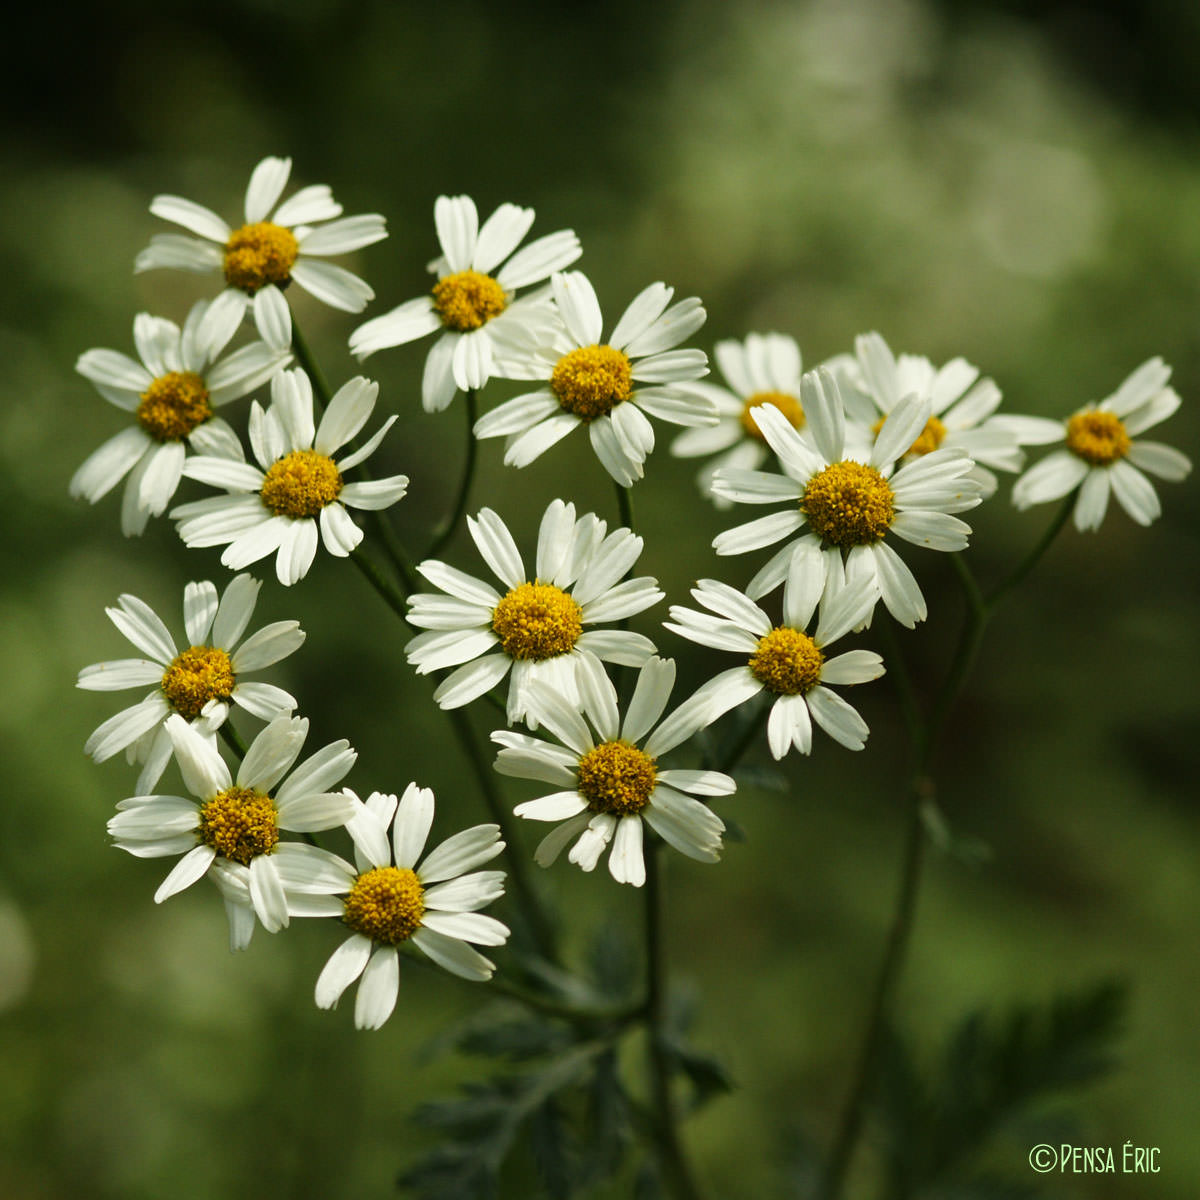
677,1170
625,505
450,525
1034,556
920,793
526,894
392,596
233,739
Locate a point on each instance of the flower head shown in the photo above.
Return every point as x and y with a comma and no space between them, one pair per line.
785,660
1103,453
603,385
232,825
850,503
199,683
611,778
298,487
172,396
537,629
474,303
278,244
396,893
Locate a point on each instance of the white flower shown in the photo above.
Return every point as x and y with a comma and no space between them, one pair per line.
277,509
601,385
172,394
473,303
232,826
962,409
850,505
610,785
198,683
537,629
278,244
1103,452
763,369
396,896
783,659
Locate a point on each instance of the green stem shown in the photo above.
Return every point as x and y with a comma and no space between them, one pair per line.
450,525
392,595
308,363
924,736
1034,556
233,739
526,894
625,505
673,1157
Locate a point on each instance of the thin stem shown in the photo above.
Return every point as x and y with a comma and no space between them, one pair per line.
1032,559
674,1160
233,739
310,366
526,894
625,505
450,525
392,596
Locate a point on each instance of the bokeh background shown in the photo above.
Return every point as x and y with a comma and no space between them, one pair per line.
1015,183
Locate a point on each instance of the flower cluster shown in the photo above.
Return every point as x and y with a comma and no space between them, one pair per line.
866,455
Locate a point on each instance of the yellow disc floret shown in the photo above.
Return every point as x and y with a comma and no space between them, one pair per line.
258,254
198,675
929,439
592,381
1098,437
239,823
617,778
787,661
301,484
784,401
386,904
468,299
536,621
173,405
848,504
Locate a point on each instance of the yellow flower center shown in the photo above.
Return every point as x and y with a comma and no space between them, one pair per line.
198,675
173,405
537,620
617,778
1097,437
787,661
386,904
784,401
258,254
239,824
301,484
592,381
848,504
467,300
929,439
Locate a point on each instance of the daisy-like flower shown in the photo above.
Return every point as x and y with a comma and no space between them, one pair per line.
850,505
763,369
609,784
1101,454
395,895
962,409
783,659
276,507
198,683
173,394
474,303
233,825
277,244
537,629
603,385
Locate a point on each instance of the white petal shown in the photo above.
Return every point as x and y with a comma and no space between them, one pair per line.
186,871
470,681
414,817
454,956
1135,493
626,863
1092,503
345,965
333,285
192,216
497,548
378,989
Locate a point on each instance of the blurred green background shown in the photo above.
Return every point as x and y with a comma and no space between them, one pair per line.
1015,183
